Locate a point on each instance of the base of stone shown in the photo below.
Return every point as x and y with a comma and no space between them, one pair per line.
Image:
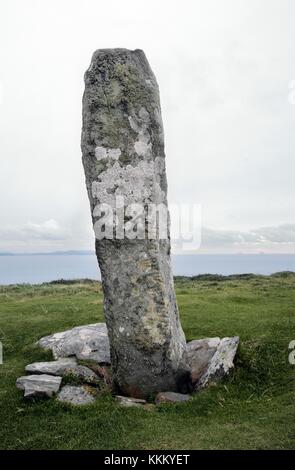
209,359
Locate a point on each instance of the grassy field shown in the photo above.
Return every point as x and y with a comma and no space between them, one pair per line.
252,409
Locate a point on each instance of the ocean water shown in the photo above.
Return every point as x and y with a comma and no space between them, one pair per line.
42,268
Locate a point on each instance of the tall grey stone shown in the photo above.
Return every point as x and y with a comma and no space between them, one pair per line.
123,156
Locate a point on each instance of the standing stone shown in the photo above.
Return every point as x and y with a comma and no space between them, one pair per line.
123,157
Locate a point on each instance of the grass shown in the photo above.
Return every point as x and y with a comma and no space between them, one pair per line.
254,408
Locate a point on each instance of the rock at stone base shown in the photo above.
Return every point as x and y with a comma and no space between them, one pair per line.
104,373
211,359
200,353
83,373
76,395
171,397
52,367
128,401
88,342
38,385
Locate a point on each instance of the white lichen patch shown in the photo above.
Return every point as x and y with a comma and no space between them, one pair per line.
213,342
139,184
140,124
114,154
142,147
121,329
103,153
134,126
100,153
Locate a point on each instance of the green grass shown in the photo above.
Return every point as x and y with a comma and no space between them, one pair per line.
254,408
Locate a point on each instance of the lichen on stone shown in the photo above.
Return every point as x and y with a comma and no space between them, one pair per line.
123,156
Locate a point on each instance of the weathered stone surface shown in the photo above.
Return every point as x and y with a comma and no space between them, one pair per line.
88,342
83,373
76,395
171,397
211,359
105,374
129,402
200,353
38,385
123,156
52,367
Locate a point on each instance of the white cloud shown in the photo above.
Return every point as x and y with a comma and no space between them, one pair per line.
224,70
51,236
48,230
279,238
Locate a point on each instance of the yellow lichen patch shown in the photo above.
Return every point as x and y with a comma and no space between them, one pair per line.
145,264
153,323
114,92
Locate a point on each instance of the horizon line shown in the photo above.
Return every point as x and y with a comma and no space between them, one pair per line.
92,252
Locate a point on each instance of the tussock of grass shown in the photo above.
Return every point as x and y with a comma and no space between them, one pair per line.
252,409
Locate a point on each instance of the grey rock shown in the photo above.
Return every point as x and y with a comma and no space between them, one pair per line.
171,397
38,385
123,156
211,359
52,367
83,373
89,342
200,353
76,395
130,402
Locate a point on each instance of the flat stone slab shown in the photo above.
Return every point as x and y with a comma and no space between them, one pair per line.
171,397
211,359
57,367
89,342
83,373
76,395
129,402
38,385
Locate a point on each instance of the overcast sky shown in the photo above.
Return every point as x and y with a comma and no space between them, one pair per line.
225,71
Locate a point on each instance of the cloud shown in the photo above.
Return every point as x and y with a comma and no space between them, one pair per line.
48,230
281,234
262,237
226,103
51,236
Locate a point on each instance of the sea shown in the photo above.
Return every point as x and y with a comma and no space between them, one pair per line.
36,269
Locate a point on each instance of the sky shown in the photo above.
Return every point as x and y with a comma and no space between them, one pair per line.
226,71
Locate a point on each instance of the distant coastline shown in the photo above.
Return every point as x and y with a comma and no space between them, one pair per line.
35,268
50,253
92,252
